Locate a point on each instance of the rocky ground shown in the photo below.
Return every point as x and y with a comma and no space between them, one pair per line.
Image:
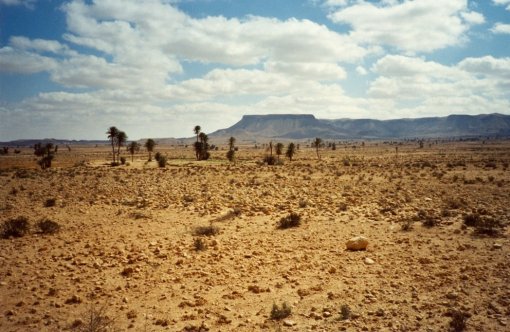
131,253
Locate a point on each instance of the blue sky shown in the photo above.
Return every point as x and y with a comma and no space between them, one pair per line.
157,68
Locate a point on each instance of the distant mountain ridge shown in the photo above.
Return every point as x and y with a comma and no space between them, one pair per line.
296,126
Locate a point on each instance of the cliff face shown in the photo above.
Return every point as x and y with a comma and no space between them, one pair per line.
297,126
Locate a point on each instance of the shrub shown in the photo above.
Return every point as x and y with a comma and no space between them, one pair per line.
407,225
50,202
123,160
270,160
206,230
345,312
472,220
162,161
15,227
278,313
292,220
94,320
47,226
231,155
157,156
199,244
458,322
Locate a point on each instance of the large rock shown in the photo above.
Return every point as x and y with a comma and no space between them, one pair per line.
357,243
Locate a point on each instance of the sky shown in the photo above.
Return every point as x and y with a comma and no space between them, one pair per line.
156,68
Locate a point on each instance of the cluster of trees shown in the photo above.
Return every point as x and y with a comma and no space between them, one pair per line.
46,152
118,138
201,145
278,149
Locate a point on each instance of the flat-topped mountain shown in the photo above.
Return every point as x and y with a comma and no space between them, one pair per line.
294,126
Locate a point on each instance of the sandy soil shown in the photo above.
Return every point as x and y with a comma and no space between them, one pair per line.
126,251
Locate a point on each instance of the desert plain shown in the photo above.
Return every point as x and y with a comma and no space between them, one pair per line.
195,246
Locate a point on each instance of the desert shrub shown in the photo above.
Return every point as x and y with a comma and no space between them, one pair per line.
483,224
50,202
458,322
123,160
292,220
431,221
95,320
345,312
47,226
278,313
206,230
455,203
162,161
407,225
231,154
157,156
270,160
342,207
15,227
472,219
114,164
199,244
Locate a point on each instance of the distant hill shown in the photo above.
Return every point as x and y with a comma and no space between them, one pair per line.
54,141
253,128
292,126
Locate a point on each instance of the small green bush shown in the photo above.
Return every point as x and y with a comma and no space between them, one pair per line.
292,220
15,227
278,313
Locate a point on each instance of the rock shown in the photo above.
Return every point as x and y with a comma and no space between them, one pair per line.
357,243
497,245
369,261
288,322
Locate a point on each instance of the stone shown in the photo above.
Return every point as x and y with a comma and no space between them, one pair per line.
357,243
369,261
288,322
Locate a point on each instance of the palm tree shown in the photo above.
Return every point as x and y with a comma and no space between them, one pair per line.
231,142
133,147
149,145
112,134
231,149
317,144
291,150
196,130
120,139
279,149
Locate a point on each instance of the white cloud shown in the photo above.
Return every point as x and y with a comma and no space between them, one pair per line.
412,26
487,66
19,61
502,3
361,70
26,3
429,84
39,45
501,28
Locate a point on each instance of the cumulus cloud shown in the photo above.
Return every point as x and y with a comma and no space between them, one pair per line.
502,3
19,61
501,28
412,26
430,84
